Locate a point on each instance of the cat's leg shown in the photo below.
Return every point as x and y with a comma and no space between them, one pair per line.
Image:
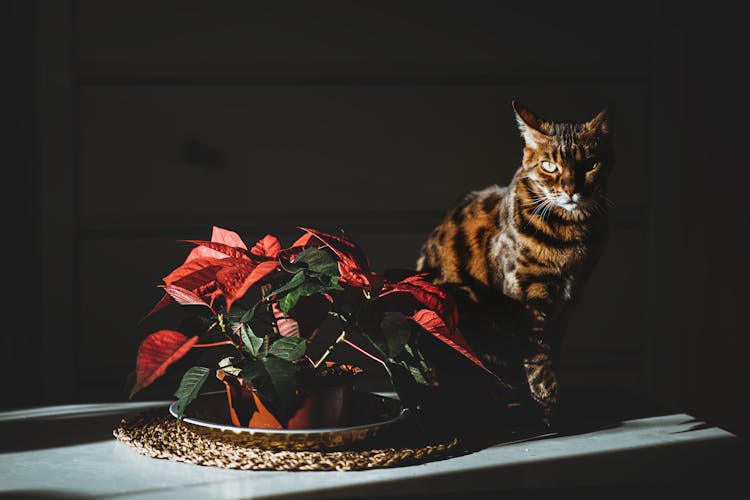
538,363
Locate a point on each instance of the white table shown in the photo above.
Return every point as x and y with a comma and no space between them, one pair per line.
69,452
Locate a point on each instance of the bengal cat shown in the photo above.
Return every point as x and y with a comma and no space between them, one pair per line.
516,255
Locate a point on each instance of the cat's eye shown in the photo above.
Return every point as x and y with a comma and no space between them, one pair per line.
589,165
548,166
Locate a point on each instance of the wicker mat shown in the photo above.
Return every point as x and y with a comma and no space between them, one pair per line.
157,434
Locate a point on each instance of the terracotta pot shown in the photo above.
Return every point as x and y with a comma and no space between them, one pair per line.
324,400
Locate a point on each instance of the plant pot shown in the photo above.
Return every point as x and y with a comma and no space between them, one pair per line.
325,397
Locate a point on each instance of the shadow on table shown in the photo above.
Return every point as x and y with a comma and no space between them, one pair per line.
701,469
582,411
613,491
40,495
28,431
704,466
590,409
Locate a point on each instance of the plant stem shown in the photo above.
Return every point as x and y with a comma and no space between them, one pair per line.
338,315
274,319
341,338
213,344
355,346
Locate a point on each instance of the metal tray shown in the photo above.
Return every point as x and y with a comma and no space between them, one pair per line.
208,416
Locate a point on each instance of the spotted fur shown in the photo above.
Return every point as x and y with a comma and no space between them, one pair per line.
516,255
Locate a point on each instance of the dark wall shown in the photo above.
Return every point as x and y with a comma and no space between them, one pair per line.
132,125
20,338
706,302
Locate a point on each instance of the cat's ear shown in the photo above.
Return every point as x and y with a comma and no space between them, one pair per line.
601,124
529,124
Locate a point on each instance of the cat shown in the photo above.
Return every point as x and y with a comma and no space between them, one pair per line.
516,256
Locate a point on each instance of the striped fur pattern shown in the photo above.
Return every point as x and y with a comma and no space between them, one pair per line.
515,255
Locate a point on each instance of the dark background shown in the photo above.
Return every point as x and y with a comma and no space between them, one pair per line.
131,125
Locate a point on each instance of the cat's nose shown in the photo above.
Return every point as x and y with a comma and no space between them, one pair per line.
569,189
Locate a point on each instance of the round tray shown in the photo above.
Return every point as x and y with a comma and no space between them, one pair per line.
372,413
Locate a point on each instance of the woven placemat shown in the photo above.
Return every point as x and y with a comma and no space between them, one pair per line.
157,434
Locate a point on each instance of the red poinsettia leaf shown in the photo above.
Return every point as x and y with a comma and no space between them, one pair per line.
156,353
288,327
269,246
303,241
231,238
353,276
218,235
197,276
235,280
432,296
231,277
201,251
209,293
221,250
163,302
431,322
344,248
195,273
184,297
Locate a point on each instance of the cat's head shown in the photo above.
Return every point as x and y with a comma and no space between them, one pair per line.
566,163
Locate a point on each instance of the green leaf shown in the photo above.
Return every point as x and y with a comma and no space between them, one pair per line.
250,341
288,348
318,262
296,280
423,365
306,289
190,385
368,323
413,360
379,344
288,301
397,330
290,267
247,316
282,375
409,391
253,370
234,317
415,373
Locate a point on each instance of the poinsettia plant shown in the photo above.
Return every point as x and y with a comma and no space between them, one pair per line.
268,304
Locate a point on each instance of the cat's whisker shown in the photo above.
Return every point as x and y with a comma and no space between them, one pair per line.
536,210
540,205
547,211
610,203
535,200
596,207
543,209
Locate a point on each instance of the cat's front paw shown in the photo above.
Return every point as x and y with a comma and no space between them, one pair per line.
542,379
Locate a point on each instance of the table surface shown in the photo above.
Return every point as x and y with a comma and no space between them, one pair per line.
69,452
